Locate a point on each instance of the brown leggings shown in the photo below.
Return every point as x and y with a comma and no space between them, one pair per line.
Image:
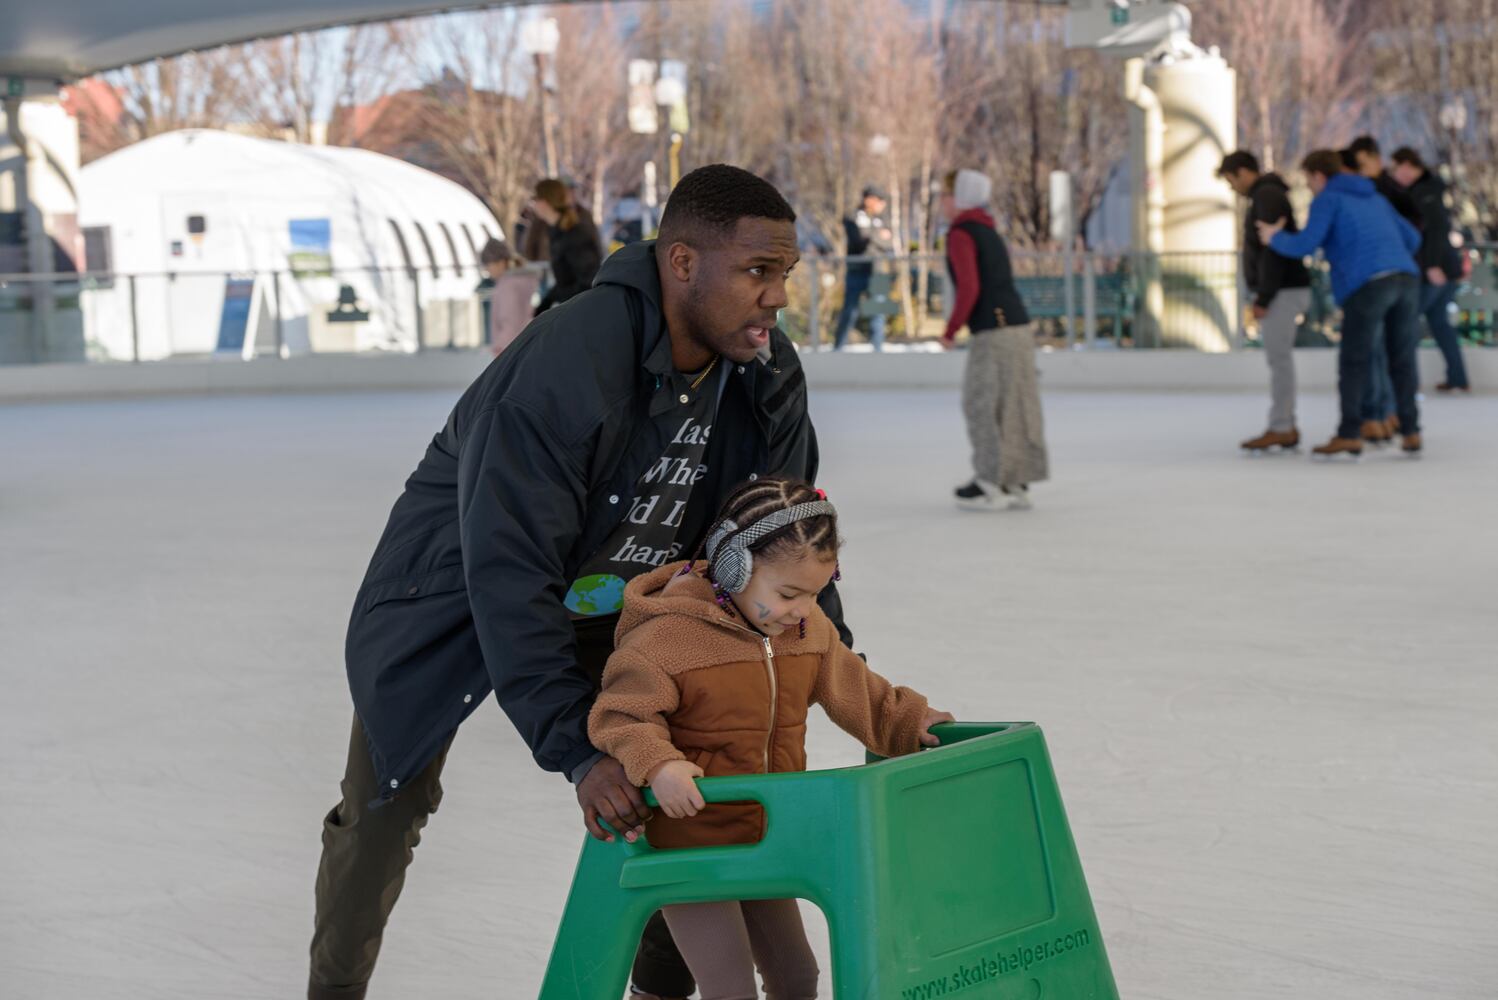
723,942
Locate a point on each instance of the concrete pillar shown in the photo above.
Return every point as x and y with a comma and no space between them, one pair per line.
39,163
1197,94
1147,199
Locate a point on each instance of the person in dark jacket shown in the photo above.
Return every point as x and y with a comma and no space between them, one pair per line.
597,447
1000,396
1363,157
1370,250
572,241
867,235
1281,289
1440,262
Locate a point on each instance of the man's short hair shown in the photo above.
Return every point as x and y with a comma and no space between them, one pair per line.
1236,161
1327,162
1363,144
708,203
873,191
1407,155
1349,159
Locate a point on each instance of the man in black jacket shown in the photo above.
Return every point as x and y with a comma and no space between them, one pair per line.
1440,262
867,235
1281,290
1363,157
598,446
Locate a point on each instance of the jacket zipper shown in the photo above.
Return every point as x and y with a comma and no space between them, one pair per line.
769,672
774,698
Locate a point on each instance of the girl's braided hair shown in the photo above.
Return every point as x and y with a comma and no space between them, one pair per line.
763,497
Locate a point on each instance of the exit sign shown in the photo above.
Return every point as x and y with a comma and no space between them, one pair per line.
1120,15
15,87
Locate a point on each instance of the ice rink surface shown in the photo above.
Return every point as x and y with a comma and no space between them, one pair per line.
1269,688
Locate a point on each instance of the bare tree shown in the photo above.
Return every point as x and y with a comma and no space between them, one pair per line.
291,86
473,111
1018,105
195,90
905,103
1304,78
593,138
1438,75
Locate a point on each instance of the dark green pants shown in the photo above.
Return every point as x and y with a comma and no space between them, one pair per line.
366,853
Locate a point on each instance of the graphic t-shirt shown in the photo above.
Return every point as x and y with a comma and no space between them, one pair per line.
646,539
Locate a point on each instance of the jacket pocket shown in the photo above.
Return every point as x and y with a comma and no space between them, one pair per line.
447,580
703,759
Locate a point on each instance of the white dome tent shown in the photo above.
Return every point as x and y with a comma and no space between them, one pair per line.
229,234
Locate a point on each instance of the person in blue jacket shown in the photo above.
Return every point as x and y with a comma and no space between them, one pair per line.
1375,281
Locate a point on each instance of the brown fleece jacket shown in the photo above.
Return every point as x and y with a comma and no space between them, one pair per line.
690,681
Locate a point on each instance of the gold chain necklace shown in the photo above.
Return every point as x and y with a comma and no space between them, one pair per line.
705,373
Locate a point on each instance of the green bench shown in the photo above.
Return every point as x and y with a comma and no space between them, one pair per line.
1045,297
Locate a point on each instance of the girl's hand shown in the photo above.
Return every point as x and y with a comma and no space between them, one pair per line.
675,789
931,718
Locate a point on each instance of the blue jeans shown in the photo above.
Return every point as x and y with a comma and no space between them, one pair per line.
855,285
1378,393
1434,303
1391,306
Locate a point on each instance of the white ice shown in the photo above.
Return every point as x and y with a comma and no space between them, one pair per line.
1269,689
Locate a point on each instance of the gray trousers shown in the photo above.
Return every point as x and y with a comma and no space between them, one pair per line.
1001,402
1277,330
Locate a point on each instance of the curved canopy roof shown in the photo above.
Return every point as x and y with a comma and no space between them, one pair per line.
66,39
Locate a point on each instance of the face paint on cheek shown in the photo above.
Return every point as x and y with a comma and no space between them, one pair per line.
764,612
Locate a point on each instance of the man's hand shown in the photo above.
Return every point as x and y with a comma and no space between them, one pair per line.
605,793
1435,276
1268,229
675,788
931,718
948,342
1259,311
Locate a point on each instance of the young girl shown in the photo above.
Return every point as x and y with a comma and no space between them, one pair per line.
714,670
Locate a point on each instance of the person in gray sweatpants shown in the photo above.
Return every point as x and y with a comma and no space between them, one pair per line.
1280,288
1000,394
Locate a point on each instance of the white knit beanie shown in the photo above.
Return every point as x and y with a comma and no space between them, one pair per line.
971,190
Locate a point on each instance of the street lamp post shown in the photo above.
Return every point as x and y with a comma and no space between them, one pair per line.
671,93
540,37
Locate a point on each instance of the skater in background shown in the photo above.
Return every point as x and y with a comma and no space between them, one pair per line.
1440,262
685,697
868,235
1281,289
1000,395
1380,422
572,241
1363,157
1374,279
511,288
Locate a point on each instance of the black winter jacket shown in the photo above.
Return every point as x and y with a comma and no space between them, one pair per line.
575,259
1265,271
1398,197
1429,197
532,472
